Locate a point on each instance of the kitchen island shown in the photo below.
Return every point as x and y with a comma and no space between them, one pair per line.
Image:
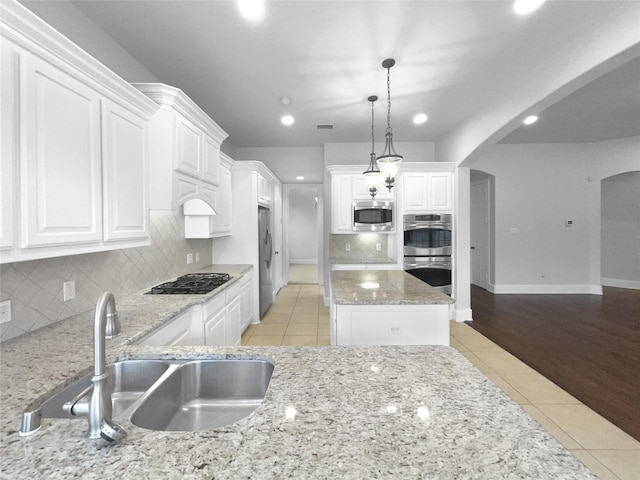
391,412
386,307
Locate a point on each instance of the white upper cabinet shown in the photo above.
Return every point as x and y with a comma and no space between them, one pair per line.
265,191
211,160
60,170
341,204
125,182
185,150
361,185
427,191
74,147
189,148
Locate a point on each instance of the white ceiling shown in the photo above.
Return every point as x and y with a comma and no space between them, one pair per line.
453,58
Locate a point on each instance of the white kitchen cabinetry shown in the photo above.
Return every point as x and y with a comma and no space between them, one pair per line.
265,190
220,321
176,332
200,222
341,204
60,169
246,301
185,147
427,191
349,185
360,185
124,178
74,139
242,246
389,324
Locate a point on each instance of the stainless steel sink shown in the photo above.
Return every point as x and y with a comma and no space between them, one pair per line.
205,394
169,394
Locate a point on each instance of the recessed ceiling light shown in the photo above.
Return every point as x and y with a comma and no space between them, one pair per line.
420,118
252,10
524,7
530,120
299,177
287,120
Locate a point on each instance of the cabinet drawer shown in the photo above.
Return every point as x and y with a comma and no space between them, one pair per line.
213,306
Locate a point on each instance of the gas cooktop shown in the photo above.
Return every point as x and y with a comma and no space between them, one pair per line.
191,283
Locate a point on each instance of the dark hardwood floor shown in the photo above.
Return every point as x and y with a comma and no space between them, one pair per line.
587,344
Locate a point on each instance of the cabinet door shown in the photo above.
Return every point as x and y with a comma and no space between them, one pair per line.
439,190
234,321
60,171
189,147
246,299
265,191
124,167
210,160
341,204
415,192
221,222
361,184
215,331
9,66
176,332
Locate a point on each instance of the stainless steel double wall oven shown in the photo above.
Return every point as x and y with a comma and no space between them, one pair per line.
428,248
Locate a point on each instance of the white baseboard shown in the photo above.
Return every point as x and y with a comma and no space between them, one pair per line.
303,261
547,289
616,282
462,315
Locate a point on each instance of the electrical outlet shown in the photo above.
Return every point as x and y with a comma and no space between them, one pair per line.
347,247
189,258
5,311
197,257
69,290
378,246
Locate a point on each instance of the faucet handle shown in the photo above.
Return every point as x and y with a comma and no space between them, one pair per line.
112,328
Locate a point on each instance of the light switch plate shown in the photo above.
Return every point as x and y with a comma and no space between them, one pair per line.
5,311
189,258
69,290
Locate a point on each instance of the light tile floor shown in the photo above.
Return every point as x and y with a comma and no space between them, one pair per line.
298,317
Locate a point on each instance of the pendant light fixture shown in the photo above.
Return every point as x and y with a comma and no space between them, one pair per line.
389,154
372,170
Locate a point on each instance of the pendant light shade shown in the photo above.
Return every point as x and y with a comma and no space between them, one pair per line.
389,155
372,169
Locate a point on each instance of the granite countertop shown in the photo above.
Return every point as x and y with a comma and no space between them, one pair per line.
391,412
345,260
383,287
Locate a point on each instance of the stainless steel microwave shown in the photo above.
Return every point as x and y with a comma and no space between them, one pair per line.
373,216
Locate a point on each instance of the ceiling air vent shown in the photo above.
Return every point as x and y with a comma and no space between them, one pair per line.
324,126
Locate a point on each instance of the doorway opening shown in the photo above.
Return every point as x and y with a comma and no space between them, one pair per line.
303,234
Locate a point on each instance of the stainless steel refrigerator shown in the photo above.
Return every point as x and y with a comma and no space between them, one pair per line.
265,258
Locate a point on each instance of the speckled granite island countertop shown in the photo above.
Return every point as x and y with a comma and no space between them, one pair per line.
329,413
383,287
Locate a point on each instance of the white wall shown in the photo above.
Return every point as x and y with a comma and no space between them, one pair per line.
78,28
539,187
287,162
358,153
303,229
621,230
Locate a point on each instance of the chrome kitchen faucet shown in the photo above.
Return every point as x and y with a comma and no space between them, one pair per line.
97,406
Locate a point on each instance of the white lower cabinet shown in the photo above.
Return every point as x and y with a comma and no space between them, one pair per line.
176,332
218,322
389,324
215,321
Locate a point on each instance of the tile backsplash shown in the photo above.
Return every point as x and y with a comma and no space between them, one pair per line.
35,287
362,247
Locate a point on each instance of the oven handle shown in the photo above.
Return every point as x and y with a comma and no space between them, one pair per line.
443,265
415,226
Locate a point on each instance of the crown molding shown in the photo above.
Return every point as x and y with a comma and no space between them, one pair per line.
172,97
